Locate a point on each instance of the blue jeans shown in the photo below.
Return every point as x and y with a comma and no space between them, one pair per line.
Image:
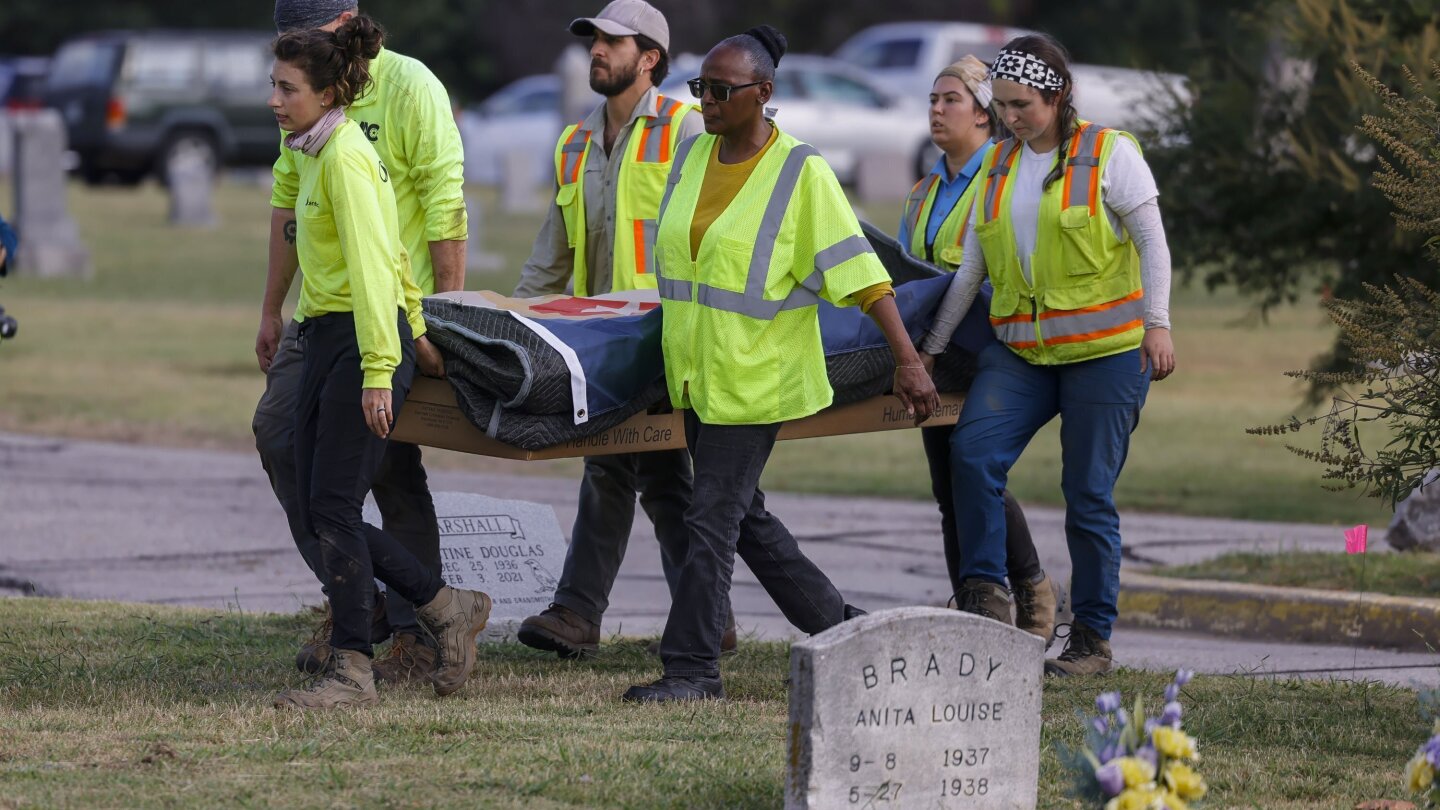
1099,404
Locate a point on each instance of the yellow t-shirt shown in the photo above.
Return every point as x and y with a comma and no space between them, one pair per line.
722,184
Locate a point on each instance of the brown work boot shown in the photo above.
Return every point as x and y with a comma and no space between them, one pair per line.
560,630
407,660
1086,653
455,617
729,641
988,599
348,684
1035,603
314,655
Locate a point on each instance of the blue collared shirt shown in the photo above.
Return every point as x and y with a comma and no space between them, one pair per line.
947,195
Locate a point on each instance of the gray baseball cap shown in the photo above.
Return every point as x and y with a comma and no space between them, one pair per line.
626,18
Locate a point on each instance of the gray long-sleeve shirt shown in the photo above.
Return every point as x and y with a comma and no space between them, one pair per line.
551,266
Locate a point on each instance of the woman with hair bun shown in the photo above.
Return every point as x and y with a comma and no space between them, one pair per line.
932,228
360,313
1067,228
753,231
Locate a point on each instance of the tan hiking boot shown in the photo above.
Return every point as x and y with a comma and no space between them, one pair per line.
314,655
988,599
455,617
406,661
1086,653
560,630
729,641
1035,604
349,684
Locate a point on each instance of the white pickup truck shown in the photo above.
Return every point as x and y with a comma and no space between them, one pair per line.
907,56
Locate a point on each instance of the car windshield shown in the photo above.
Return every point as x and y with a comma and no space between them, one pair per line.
83,63
889,53
163,64
833,88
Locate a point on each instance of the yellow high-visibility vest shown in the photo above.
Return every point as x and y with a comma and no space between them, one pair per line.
741,334
647,157
949,245
1086,299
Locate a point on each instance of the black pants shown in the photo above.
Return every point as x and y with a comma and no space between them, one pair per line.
607,512
400,487
727,515
336,459
1021,559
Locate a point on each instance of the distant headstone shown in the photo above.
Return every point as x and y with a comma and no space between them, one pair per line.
50,245
576,97
476,256
1416,524
883,174
519,192
192,186
915,708
511,550
7,145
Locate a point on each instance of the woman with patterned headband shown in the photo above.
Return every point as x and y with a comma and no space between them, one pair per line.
933,227
1067,228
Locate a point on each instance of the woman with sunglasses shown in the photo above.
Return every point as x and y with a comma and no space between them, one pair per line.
360,317
753,231
1067,228
932,228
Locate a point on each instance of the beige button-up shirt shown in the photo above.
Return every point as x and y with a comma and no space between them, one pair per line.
551,266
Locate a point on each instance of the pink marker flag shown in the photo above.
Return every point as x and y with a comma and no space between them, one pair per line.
1355,539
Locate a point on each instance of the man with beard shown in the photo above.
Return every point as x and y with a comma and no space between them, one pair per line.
610,171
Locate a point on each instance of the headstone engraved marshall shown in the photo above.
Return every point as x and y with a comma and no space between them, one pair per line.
915,708
511,550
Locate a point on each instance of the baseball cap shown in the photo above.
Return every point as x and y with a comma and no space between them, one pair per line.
626,18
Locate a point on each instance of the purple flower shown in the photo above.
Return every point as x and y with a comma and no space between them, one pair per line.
1170,716
1148,754
1150,725
1108,702
1172,693
1100,725
1111,780
1432,751
1122,716
1111,751
1183,676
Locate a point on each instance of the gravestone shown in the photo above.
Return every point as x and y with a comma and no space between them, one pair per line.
511,550
192,186
50,245
1416,523
476,256
915,707
576,97
519,191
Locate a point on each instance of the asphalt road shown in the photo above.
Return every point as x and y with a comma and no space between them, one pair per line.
92,520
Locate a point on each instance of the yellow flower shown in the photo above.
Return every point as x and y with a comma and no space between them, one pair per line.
1419,775
1172,802
1136,771
1182,779
1174,743
1140,798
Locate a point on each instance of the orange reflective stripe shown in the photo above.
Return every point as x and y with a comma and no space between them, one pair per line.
1069,170
644,141
1061,313
964,224
639,247
574,170
1095,171
1096,335
1000,189
1024,316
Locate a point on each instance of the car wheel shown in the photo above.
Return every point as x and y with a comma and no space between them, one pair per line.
188,147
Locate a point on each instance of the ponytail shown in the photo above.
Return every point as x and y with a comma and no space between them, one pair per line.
339,60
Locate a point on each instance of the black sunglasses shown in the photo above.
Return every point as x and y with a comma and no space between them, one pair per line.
721,92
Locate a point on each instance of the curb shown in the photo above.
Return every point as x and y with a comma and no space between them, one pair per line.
1305,615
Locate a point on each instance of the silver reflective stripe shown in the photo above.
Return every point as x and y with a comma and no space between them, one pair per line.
681,153
757,308
652,139
1065,325
841,252
647,229
576,146
672,289
1000,169
1080,166
774,216
572,154
1016,332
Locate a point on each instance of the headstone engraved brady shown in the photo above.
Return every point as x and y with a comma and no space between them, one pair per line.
192,183
915,708
51,247
511,550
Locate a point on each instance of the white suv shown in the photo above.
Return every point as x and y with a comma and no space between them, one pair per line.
907,56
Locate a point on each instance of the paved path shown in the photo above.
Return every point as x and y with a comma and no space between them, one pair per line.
93,520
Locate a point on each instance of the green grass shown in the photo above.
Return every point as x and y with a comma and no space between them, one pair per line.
1406,574
107,705
158,347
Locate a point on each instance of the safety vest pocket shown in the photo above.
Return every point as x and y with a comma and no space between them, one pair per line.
568,198
1004,302
1077,247
1100,292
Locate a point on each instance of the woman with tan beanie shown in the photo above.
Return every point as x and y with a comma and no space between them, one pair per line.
932,228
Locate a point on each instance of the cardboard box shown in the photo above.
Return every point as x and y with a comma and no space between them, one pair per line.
431,418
